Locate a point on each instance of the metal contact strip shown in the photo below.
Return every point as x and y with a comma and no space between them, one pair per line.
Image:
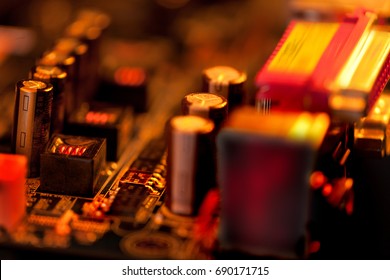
25,123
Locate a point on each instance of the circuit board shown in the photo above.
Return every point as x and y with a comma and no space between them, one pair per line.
125,218
128,215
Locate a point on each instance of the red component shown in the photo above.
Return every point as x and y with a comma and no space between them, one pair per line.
317,180
130,76
349,204
98,117
13,170
62,149
327,190
206,225
70,150
314,247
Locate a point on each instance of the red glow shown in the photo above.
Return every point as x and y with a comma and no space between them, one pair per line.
130,76
317,180
13,170
314,247
205,228
71,150
349,203
327,190
98,117
62,149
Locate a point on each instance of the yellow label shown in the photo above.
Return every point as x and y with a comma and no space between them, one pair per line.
303,48
361,71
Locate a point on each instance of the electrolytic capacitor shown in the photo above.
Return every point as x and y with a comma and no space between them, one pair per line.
206,105
68,63
32,121
191,170
88,28
226,81
58,79
74,47
13,170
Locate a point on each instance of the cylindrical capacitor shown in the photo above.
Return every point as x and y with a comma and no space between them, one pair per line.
68,63
13,170
57,77
226,81
74,47
88,28
32,121
191,169
206,105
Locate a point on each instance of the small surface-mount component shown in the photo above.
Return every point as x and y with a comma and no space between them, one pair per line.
71,165
128,200
143,178
152,181
13,169
191,164
206,105
104,121
226,81
32,121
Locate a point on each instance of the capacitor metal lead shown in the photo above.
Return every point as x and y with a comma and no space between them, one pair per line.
207,105
226,81
32,121
191,170
57,77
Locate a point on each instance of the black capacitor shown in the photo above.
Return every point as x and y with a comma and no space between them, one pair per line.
57,77
206,105
88,28
68,63
32,116
191,168
69,46
225,81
